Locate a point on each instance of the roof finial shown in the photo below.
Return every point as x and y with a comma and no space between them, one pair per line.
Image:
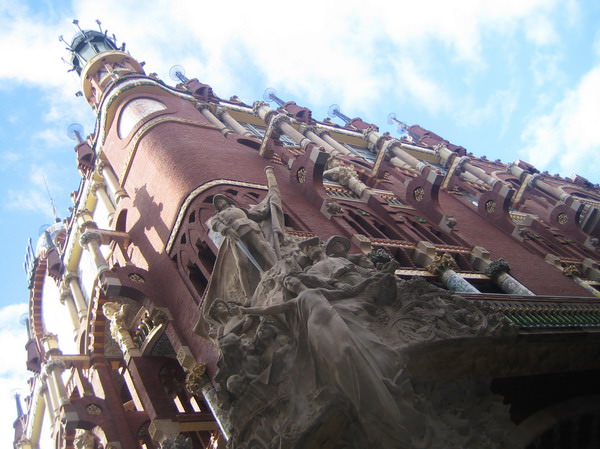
334,109
402,127
56,219
270,94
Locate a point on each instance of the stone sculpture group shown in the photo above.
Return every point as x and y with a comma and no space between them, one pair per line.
313,342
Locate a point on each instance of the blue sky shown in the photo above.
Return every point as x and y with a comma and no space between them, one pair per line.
511,79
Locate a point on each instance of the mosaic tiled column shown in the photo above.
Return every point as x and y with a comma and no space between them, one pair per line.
444,266
498,271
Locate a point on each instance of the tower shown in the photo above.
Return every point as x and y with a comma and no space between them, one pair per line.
243,276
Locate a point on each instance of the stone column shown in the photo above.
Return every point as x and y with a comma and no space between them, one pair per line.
233,123
282,124
334,143
54,369
114,188
72,281
529,180
498,271
66,299
444,266
311,133
47,398
99,189
91,240
206,112
480,174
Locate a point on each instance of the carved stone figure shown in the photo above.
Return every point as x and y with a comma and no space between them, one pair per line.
237,224
116,313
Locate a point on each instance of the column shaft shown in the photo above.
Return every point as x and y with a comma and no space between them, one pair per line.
509,284
455,282
234,124
77,293
335,144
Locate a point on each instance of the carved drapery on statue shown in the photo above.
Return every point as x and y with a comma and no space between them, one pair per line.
312,344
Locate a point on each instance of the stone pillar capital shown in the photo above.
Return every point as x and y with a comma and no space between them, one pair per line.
571,271
24,443
196,378
278,119
55,365
533,180
97,185
309,129
497,267
442,263
89,236
460,164
65,295
257,105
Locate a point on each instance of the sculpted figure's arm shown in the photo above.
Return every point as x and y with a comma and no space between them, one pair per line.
346,291
269,310
258,213
316,281
219,225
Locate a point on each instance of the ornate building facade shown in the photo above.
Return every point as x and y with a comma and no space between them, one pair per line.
246,276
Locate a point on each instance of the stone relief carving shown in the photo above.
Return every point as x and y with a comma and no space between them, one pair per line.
118,315
84,439
316,352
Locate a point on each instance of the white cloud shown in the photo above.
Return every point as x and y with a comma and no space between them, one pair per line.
34,197
540,31
322,50
567,138
13,374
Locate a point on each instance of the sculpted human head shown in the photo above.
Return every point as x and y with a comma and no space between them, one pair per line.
221,202
337,246
293,284
219,311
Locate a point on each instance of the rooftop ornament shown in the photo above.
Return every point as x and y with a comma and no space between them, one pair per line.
177,74
75,132
334,110
270,95
402,127
86,44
